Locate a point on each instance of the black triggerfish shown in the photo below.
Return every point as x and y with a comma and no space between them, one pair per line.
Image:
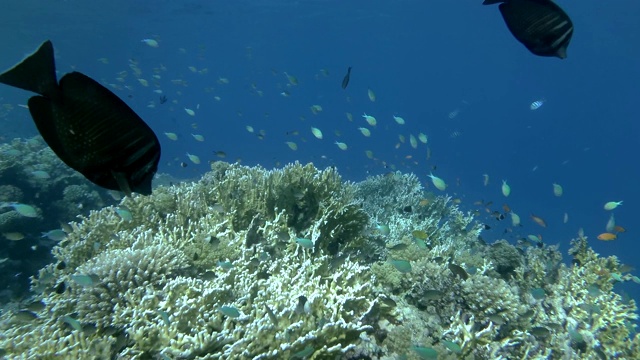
541,25
90,128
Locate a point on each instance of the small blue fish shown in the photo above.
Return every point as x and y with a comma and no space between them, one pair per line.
22,209
124,213
55,235
305,243
230,311
85,280
73,323
425,352
227,265
538,293
307,351
383,229
40,174
403,266
165,317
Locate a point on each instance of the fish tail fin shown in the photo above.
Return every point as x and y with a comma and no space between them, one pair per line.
36,73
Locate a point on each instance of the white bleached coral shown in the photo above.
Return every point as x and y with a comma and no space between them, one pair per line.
181,280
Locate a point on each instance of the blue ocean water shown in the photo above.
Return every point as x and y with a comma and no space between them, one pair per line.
425,62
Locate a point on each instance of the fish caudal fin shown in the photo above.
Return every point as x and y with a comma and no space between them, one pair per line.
36,73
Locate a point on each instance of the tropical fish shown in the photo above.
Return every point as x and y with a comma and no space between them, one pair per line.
413,141
485,179
230,311
194,158
383,229
515,219
305,243
55,235
457,270
316,109
538,220
437,182
13,236
226,265
366,132
506,189
90,129
607,236
85,280
292,79
537,104
540,25
398,120
371,94
22,209
425,352
341,145
370,119
316,132
151,42
612,205
404,266
345,80
40,174
611,224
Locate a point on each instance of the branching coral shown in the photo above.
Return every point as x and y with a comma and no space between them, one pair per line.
179,279
241,265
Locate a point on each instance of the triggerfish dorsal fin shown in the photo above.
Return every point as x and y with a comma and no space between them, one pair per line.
36,73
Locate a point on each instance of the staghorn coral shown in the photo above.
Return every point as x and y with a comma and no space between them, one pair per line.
157,287
40,179
199,274
399,203
122,271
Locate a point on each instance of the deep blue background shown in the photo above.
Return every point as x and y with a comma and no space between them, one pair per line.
423,59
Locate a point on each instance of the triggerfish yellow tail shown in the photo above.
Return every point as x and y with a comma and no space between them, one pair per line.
90,128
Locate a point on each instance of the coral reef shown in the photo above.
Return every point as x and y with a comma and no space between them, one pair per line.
31,174
294,263
196,273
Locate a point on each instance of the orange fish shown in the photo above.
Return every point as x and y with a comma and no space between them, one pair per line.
619,229
506,208
538,220
607,237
